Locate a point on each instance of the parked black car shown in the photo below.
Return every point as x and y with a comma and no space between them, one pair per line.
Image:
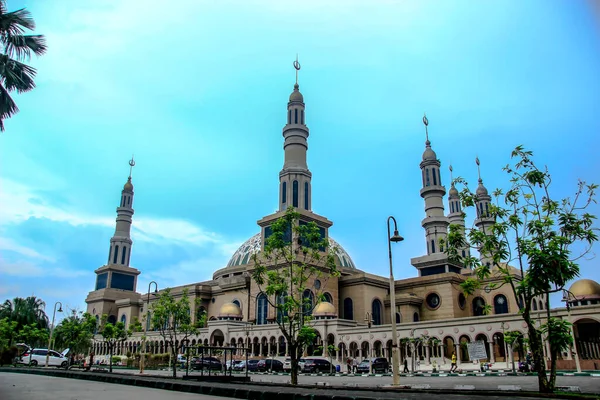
269,365
379,364
207,363
317,365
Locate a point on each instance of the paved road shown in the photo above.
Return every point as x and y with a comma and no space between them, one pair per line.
587,384
36,387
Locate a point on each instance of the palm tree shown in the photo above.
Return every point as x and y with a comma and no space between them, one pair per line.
25,311
14,74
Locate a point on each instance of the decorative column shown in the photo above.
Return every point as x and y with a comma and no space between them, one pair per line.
442,354
427,355
458,355
287,349
492,355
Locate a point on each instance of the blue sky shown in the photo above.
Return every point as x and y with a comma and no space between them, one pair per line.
198,91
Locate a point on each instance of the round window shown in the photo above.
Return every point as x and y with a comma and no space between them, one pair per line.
317,284
433,300
462,301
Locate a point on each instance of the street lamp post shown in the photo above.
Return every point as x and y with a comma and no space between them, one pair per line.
395,359
147,322
505,344
369,321
52,330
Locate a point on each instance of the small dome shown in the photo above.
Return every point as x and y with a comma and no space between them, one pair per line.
429,154
585,288
128,185
230,310
296,95
453,192
324,308
481,190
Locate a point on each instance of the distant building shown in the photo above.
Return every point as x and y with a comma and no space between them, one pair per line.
430,304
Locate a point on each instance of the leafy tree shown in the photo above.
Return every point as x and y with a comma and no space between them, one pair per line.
172,319
7,329
14,73
111,335
541,236
295,255
32,335
75,332
25,311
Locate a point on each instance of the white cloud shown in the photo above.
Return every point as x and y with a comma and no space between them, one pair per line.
20,268
10,245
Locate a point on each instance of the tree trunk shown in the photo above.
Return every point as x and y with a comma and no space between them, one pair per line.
174,360
110,354
536,343
293,348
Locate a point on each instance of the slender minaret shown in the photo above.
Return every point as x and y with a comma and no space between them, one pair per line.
435,222
456,215
294,178
120,244
482,203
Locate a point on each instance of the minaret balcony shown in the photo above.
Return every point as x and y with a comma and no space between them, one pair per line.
433,189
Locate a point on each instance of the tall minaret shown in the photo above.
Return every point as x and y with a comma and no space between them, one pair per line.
435,222
456,215
484,221
120,244
294,178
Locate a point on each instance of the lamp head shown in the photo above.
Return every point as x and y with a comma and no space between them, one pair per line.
396,237
60,309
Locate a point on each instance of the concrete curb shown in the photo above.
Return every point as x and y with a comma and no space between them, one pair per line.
264,390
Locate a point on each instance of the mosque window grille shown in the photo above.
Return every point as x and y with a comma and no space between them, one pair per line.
123,255
116,254
500,304
295,194
432,246
128,200
427,183
434,175
306,195
376,312
295,115
348,309
284,192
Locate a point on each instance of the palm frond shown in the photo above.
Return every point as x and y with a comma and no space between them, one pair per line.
2,7
7,107
21,46
17,76
15,22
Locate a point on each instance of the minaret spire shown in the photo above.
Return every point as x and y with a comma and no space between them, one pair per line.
456,216
433,193
120,243
131,165
295,178
484,221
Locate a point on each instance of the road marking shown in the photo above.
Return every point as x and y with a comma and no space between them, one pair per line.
509,387
464,387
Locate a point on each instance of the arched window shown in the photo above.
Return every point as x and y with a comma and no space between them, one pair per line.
464,254
237,303
487,210
426,176
261,309
328,297
434,176
306,195
432,246
376,312
521,302
295,194
500,304
302,117
451,206
116,254
123,255
289,116
478,306
534,305
542,305
128,200
295,115
123,318
308,302
123,201
416,317
284,192
348,309
398,318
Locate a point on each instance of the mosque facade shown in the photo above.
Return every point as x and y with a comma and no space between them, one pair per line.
356,316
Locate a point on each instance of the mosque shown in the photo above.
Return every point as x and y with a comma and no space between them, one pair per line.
356,316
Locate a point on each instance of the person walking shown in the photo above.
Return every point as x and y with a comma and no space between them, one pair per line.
453,366
406,371
349,364
354,365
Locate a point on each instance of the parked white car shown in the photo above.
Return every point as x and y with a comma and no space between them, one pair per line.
37,357
287,364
